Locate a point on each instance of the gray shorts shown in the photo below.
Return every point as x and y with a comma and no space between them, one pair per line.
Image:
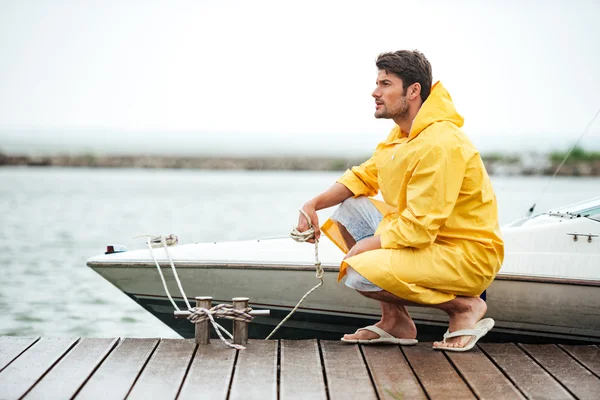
361,219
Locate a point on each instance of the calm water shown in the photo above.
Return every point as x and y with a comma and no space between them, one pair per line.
53,219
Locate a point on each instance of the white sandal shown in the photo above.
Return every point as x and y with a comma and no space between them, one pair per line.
384,338
480,330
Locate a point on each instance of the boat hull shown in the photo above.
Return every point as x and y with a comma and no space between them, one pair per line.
525,309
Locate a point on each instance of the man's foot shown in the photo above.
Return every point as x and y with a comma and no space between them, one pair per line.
464,314
401,328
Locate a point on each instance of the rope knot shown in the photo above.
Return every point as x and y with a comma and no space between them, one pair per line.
320,272
200,314
224,311
305,235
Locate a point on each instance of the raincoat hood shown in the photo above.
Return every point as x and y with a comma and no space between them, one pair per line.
437,108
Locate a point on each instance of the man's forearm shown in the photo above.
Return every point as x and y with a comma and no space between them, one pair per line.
331,197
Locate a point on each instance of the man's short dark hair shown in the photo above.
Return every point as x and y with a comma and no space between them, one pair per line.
410,66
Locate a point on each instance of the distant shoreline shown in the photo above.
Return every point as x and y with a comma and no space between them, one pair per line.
539,165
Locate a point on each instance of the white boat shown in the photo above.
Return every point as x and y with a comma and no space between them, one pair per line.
548,287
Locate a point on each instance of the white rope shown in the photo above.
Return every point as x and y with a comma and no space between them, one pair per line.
304,237
187,303
225,311
162,278
156,241
198,313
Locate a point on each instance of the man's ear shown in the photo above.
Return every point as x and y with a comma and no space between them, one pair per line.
414,91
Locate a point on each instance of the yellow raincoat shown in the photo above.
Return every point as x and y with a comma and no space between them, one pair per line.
440,235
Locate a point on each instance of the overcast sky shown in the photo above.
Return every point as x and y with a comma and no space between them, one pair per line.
249,77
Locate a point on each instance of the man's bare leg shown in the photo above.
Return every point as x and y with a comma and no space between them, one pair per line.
350,242
464,313
395,320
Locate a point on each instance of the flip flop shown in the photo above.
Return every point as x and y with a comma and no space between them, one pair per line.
384,338
480,330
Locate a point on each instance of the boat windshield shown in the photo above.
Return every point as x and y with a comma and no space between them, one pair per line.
588,208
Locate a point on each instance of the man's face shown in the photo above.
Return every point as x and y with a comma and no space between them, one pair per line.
390,99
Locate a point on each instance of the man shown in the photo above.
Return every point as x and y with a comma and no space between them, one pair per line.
435,240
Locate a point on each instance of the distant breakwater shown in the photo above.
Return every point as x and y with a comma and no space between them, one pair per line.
178,162
539,166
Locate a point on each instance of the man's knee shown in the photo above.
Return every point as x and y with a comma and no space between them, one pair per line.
349,206
353,203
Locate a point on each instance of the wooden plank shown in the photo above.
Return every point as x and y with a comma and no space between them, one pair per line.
393,377
437,375
529,377
346,372
301,370
24,372
484,378
11,347
576,378
65,379
116,375
210,373
256,371
585,354
164,373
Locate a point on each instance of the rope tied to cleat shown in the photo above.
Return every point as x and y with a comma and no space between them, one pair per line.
227,311
197,314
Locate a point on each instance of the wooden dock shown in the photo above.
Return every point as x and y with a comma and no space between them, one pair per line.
61,368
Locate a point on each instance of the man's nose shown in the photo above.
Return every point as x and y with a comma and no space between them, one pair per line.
376,93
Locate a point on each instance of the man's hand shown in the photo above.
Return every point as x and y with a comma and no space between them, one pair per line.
331,197
309,209
370,243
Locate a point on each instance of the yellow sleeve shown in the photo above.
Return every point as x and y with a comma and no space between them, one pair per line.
431,196
362,180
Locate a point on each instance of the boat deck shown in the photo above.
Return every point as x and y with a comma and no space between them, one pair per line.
87,368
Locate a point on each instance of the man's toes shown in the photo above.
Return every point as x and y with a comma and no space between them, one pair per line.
451,344
351,336
362,335
460,343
